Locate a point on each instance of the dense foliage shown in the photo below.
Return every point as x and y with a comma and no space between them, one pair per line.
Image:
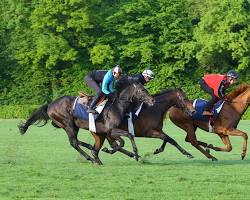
47,46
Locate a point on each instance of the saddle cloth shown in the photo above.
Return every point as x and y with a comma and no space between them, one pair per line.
200,104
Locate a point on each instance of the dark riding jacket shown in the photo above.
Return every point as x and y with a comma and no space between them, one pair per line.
138,78
98,75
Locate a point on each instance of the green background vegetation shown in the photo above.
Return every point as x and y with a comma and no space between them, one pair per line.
43,165
48,46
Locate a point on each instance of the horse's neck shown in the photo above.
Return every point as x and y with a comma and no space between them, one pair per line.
241,102
166,100
122,105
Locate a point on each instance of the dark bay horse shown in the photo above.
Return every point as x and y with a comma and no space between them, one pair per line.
150,121
60,112
224,126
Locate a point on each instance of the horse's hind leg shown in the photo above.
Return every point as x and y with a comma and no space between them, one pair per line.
72,135
192,139
166,138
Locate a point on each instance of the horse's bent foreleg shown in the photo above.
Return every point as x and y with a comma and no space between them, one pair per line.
226,141
236,132
117,144
86,145
118,132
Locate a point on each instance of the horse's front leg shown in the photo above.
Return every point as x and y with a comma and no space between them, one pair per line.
117,144
86,145
236,132
226,141
118,132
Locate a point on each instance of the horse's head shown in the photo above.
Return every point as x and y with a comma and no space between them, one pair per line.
135,92
183,103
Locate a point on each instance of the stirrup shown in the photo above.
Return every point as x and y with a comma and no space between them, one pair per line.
207,113
91,110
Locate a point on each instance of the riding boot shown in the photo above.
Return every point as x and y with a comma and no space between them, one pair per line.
93,103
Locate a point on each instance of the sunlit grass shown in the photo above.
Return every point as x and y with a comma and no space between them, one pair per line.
42,165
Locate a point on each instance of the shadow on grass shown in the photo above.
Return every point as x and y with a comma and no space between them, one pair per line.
145,160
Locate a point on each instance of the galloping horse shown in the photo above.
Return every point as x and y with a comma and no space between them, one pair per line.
150,121
225,126
60,112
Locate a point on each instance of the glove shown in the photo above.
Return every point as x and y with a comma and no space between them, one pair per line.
111,96
226,99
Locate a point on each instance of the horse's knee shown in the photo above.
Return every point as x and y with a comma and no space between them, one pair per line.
245,136
73,142
229,148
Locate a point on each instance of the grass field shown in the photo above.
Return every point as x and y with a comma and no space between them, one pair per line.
42,165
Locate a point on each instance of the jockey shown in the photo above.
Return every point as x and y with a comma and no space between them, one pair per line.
144,77
215,85
105,78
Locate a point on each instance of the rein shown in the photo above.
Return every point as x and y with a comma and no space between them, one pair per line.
245,102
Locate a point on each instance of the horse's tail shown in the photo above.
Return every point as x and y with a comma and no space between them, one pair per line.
36,117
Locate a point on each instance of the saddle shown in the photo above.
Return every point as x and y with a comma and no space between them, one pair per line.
81,104
200,104
86,99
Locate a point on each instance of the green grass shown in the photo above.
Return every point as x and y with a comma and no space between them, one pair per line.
42,165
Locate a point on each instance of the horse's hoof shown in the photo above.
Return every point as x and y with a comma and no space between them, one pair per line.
98,163
242,156
207,150
214,159
137,157
157,151
190,156
105,149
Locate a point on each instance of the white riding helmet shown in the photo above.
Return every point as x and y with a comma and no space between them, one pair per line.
148,73
117,69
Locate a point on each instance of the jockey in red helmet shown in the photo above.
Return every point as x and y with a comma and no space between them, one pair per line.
216,84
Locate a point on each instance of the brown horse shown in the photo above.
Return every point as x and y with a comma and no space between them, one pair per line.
150,121
60,112
224,126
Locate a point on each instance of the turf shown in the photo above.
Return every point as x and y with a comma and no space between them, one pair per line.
42,165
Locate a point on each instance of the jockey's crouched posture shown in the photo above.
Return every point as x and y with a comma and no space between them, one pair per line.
215,85
102,82
144,77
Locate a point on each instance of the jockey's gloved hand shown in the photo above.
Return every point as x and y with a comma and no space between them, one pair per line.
111,95
226,99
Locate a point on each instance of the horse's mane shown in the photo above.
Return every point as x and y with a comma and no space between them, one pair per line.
124,82
164,92
239,90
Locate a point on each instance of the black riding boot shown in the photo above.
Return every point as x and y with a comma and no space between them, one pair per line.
93,103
